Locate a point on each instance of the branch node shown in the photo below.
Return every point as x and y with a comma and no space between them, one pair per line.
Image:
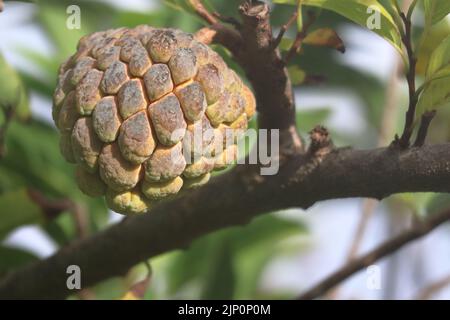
321,143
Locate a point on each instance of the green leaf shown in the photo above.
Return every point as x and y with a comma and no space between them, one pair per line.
308,119
325,37
440,60
18,209
220,278
297,75
438,203
359,12
435,11
53,19
12,91
430,39
435,95
436,92
182,5
265,230
34,161
13,258
221,252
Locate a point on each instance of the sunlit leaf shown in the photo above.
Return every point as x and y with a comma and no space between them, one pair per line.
440,60
360,12
435,95
431,38
436,92
435,10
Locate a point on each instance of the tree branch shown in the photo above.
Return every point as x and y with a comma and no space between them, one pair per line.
383,250
238,196
233,199
433,288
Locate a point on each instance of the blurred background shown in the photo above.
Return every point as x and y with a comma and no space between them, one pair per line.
360,96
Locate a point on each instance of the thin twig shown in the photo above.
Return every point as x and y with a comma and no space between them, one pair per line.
286,26
301,35
202,12
231,20
381,251
429,291
427,117
50,208
81,219
411,79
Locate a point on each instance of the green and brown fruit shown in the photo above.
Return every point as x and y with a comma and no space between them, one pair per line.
127,104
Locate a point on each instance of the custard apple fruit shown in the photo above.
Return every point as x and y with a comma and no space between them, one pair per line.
128,105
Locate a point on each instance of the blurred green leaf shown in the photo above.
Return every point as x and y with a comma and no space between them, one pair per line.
430,39
220,278
182,5
438,203
435,95
208,256
34,161
47,64
53,19
417,202
265,230
308,119
436,92
111,289
297,75
358,12
13,258
12,91
440,60
435,11
17,209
